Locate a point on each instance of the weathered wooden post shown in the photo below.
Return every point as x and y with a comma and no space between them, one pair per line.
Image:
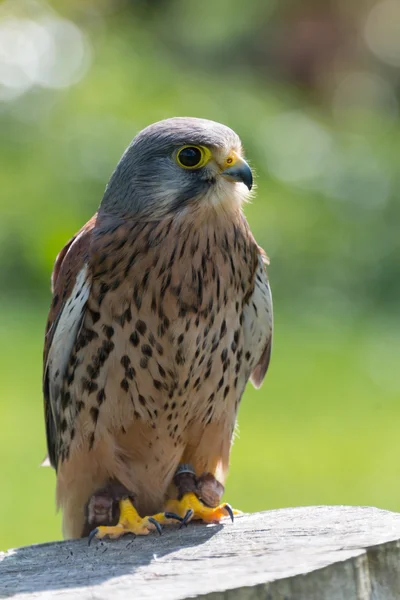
306,553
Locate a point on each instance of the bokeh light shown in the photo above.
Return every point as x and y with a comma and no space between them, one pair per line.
49,51
382,31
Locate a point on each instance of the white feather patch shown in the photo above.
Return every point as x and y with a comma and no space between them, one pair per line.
66,332
258,319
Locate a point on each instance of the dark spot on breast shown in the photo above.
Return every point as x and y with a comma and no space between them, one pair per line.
91,440
137,297
223,329
144,361
125,385
183,310
130,373
93,372
101,396
146,349
226,391
94,413
179,357
63,425
134,339
142,400
125,361
157,384
108,346
126,317
108,330
88,385
141,327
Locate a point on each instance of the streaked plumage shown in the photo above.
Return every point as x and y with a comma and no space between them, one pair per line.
161,313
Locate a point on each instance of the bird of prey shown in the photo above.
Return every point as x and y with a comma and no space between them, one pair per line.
161,313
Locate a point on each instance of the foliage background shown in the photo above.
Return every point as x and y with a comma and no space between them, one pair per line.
313,90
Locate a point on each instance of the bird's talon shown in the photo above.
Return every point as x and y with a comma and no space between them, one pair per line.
156,524
171,515
92,534
229,510
192,508
187,518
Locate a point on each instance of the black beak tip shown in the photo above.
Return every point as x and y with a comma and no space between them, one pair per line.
240,173
248,180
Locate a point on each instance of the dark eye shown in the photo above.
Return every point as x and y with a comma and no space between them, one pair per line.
191,157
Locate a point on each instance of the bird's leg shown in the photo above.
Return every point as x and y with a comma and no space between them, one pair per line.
113,511
198,497
102,507
209,490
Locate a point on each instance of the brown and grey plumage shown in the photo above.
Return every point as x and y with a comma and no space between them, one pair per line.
161,313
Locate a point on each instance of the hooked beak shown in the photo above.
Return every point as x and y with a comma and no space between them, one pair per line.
239,171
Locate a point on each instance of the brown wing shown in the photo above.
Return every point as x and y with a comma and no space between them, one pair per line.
71,282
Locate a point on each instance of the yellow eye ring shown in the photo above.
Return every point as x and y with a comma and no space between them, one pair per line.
192,157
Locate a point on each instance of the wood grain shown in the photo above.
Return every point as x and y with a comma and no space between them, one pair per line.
326,553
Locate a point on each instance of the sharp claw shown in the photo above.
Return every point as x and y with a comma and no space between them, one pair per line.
187,518
156,524
171,515
229,510
92,534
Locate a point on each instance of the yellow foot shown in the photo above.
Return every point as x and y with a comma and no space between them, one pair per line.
191,508
131,522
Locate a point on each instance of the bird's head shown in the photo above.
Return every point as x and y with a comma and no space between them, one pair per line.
179,163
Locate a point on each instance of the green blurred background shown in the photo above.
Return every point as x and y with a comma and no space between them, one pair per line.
313,90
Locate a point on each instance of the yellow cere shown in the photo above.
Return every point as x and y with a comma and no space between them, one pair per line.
231,160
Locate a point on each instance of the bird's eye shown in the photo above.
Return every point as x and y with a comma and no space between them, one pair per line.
192,157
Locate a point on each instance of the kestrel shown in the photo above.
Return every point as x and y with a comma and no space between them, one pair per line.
161,312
